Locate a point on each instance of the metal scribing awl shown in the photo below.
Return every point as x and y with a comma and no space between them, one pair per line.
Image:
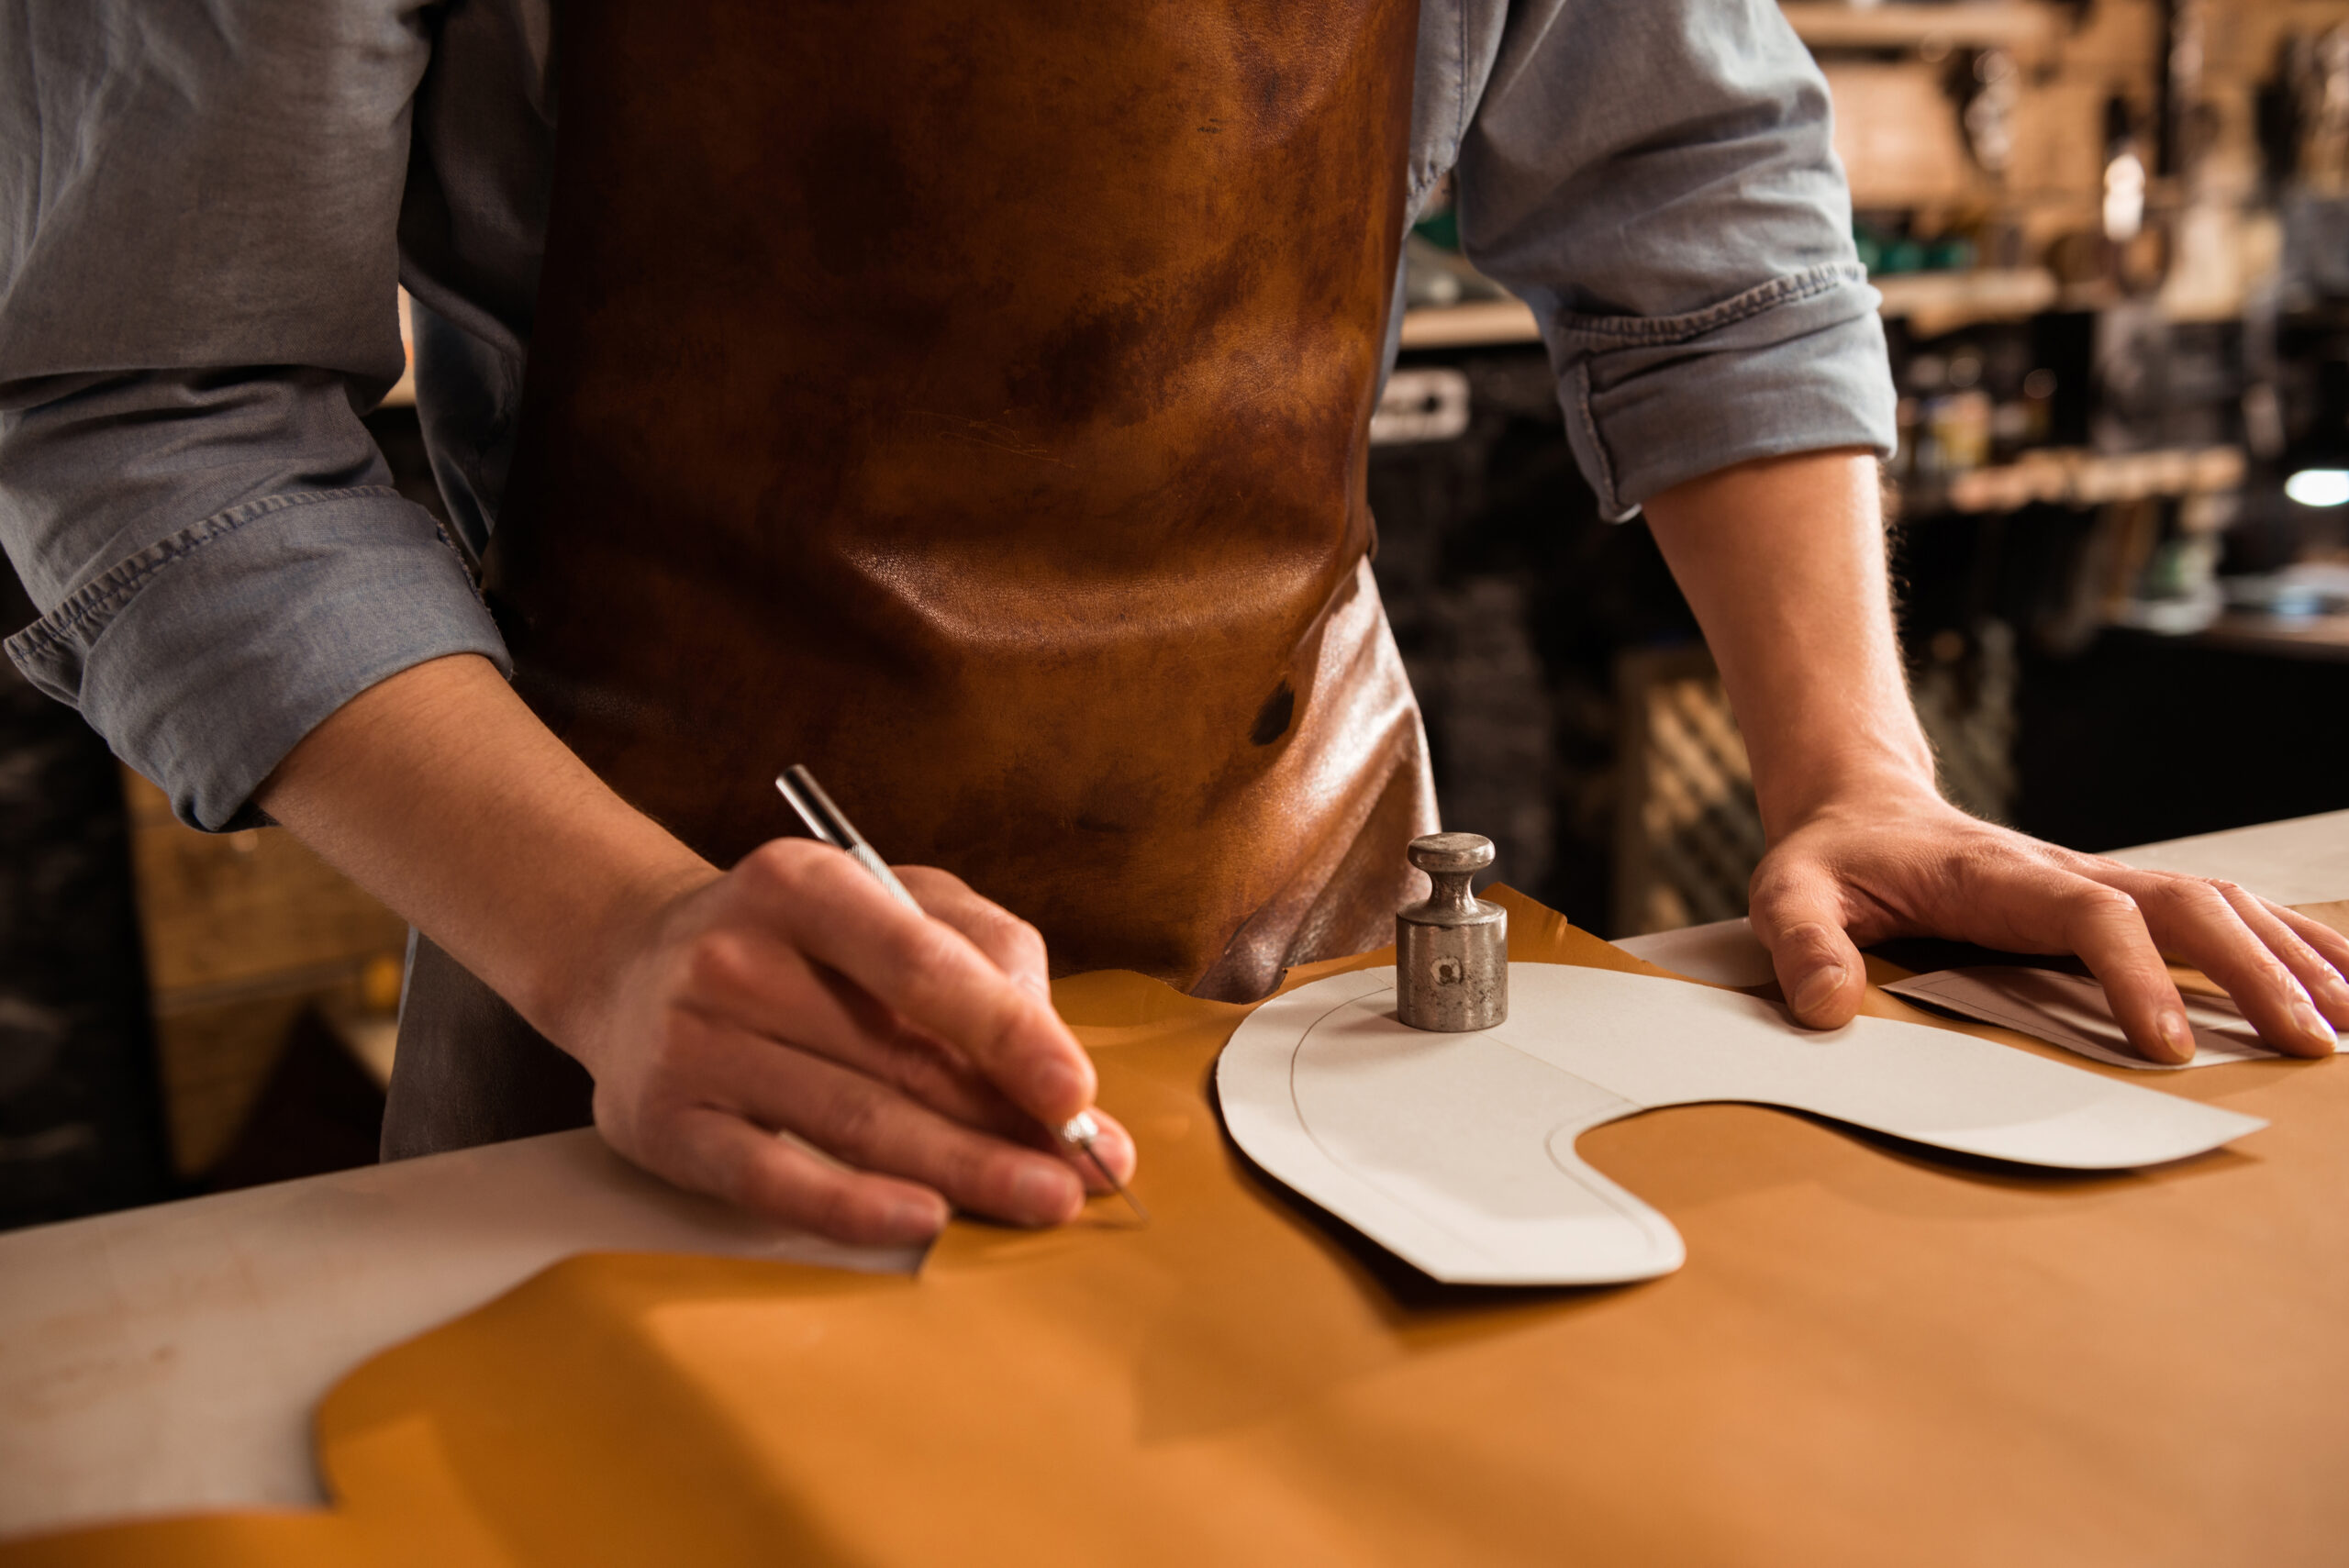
1080,1131
830,826
825,822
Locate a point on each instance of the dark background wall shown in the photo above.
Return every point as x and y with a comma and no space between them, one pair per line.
81,1120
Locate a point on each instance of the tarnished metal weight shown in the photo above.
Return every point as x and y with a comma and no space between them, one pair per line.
1451,953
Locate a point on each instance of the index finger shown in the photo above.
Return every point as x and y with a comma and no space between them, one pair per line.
933,975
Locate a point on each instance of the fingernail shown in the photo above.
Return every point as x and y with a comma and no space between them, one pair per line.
1814,991
917,1217
1041,1193
2312,1024
2177,1036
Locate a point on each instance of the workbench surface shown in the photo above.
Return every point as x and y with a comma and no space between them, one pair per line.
166,1359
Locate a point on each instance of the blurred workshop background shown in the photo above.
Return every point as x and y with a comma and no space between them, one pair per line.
2112,237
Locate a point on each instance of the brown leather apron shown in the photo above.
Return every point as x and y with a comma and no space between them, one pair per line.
970,402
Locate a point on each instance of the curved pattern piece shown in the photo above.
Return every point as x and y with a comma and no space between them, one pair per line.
1456,1151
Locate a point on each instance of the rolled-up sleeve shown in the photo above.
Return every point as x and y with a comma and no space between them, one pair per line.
198,275
1657,180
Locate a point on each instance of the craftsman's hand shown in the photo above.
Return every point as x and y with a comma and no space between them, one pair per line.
912,1062
734,1024
1902,862
1783,560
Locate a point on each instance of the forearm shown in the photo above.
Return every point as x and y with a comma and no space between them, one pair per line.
442,794
918,1051
1783,561
1783,564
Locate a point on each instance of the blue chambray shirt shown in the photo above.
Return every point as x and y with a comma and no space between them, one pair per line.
203,210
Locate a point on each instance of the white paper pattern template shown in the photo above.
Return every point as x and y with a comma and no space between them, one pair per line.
2070,1010
1456,1151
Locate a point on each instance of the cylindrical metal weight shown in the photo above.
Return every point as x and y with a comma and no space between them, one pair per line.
1451,953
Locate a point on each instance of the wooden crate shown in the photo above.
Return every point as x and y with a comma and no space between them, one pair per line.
1688,834
242,932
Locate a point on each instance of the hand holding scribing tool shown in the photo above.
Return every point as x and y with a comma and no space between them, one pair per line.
788,1037
830,825
907,1057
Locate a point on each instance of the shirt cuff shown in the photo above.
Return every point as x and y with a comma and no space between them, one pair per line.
205,658
1793,365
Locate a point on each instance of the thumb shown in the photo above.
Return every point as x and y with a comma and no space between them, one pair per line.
1798,916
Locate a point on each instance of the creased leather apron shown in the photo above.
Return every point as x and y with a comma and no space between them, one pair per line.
970,402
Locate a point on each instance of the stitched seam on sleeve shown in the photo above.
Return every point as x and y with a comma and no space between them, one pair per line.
101,597
463,559
1824,278
1460,94
1610,499
1426,174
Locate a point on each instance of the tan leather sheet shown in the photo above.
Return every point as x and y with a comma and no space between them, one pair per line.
1871,1357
